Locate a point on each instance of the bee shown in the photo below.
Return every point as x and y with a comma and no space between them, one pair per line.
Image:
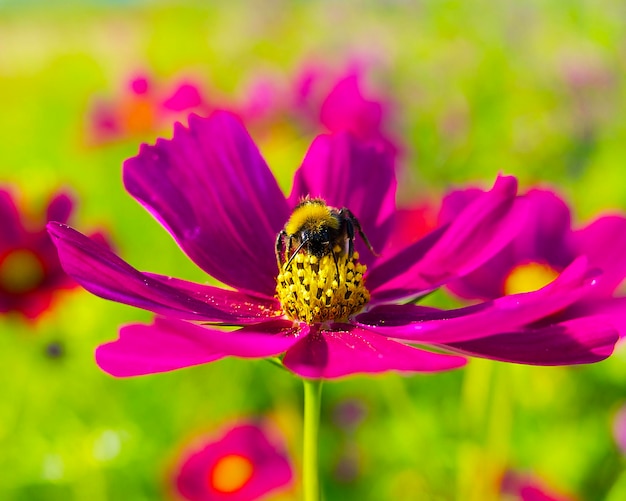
317,229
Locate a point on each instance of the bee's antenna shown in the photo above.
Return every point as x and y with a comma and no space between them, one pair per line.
295,252
280,242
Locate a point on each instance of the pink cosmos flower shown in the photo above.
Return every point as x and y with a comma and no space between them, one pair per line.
545,247
30,272
212,190
143,108
241,465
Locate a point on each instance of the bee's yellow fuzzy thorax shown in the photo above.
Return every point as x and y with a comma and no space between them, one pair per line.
311,290
310,213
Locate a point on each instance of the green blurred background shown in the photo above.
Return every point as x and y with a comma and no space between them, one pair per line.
533,88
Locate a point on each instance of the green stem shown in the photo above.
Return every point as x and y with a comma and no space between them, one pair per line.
310,477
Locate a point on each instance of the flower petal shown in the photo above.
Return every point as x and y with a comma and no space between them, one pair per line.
60,208
348,173
481,230
543,238
184,97
11,229
344,349
239,307
604,243
212,190
410,225
504,314
257,341
345,108
143,349
578,341
606,310
149,349
104,274
455,202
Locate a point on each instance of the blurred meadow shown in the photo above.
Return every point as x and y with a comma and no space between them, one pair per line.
534,89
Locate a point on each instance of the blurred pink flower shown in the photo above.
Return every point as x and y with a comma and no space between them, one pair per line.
30,272
212,190
243,464
143,108
319,99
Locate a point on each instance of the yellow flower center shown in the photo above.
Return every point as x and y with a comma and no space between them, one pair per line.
20,271
231,473
529,277
315,290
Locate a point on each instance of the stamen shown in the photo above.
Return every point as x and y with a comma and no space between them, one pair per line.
316,290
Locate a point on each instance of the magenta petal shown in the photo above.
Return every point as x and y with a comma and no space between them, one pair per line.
607,310
345,108
487,281
455,202
102,273
59,208
481,230
543,238
140,85
345,349
578,341
170,344
504,314
210,187
604,243
236,307
255,341
11,230
161,347
347,173
186,96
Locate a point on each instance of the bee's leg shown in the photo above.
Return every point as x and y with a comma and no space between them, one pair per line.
280,248
338,276
350,232
352,222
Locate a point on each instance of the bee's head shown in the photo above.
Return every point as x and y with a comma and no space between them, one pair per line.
316,241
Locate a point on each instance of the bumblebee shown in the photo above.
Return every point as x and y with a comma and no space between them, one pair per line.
318,230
